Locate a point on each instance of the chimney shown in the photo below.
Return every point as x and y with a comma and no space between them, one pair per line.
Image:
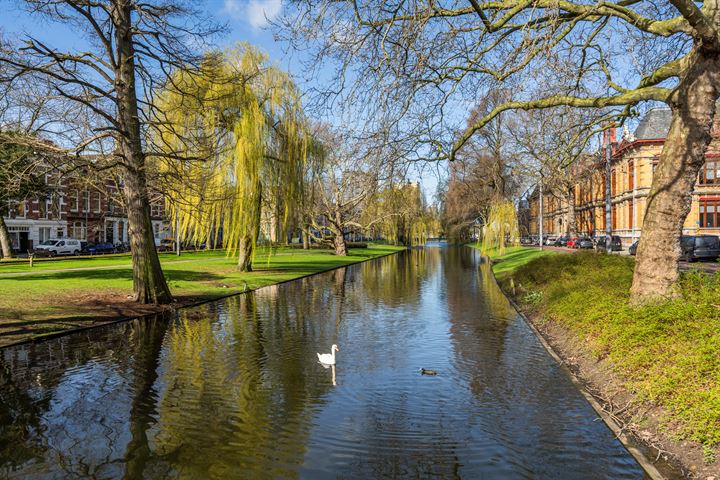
610,135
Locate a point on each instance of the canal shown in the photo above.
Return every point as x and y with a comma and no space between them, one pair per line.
233,389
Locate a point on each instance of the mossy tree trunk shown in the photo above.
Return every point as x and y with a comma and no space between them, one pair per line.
149,285
669,201
247,247
5,244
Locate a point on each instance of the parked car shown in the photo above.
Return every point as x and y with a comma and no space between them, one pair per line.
166,245
561,241
550,240
102,247
585,242
615,245
699,247
525,241
572,242
56,247
632,249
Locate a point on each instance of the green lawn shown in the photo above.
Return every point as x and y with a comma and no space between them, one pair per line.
506,262
668,352
42,300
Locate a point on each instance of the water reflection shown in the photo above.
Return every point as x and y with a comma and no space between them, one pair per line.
234,390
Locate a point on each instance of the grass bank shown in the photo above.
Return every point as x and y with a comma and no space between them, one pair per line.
667,354
66,294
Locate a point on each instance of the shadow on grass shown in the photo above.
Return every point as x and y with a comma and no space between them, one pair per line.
115,274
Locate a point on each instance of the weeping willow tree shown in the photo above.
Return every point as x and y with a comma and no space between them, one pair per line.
399,214
501,226
243,136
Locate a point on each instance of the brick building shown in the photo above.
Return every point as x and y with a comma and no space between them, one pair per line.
94,214
633,164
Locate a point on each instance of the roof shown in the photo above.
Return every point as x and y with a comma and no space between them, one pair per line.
655,124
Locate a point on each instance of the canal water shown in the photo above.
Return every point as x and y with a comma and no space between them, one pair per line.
233,389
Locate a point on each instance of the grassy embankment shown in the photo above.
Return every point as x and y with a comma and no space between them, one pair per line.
64,294
667,353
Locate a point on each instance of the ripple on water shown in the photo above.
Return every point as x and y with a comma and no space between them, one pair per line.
233,389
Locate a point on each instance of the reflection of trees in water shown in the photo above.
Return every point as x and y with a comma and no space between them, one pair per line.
391,280
19,421
235,394
479,317
193,397
69,395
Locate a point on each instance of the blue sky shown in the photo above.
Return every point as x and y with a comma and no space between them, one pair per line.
247,21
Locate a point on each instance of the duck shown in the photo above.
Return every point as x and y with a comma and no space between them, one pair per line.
427,371
328,358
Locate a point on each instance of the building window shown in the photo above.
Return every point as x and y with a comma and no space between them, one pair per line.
78,231
613,217
613,189
74,200
86,201
43,234
710,174
631,220
156,210
98,202
709,212
54,207
631,175
42,207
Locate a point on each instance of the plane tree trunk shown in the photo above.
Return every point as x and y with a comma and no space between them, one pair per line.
669,201
571,220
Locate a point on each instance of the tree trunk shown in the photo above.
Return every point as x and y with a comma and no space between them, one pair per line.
5,244
246,252
149,285
571,223
339,243
337,230
669,201
306,238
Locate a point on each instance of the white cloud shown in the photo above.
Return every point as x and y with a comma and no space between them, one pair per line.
255,12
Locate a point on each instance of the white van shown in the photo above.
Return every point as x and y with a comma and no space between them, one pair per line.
66,246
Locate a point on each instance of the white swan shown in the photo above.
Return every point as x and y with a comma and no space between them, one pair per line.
328,358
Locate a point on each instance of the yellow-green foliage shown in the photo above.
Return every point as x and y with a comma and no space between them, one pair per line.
403,215
501,226
668,352
239,128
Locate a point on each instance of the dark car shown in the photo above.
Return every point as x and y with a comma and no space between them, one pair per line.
585,242
615,245
561,241
632,250
102,247
699,247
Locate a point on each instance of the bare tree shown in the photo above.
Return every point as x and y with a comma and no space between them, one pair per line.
422,60
554,144
131,45
350,175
